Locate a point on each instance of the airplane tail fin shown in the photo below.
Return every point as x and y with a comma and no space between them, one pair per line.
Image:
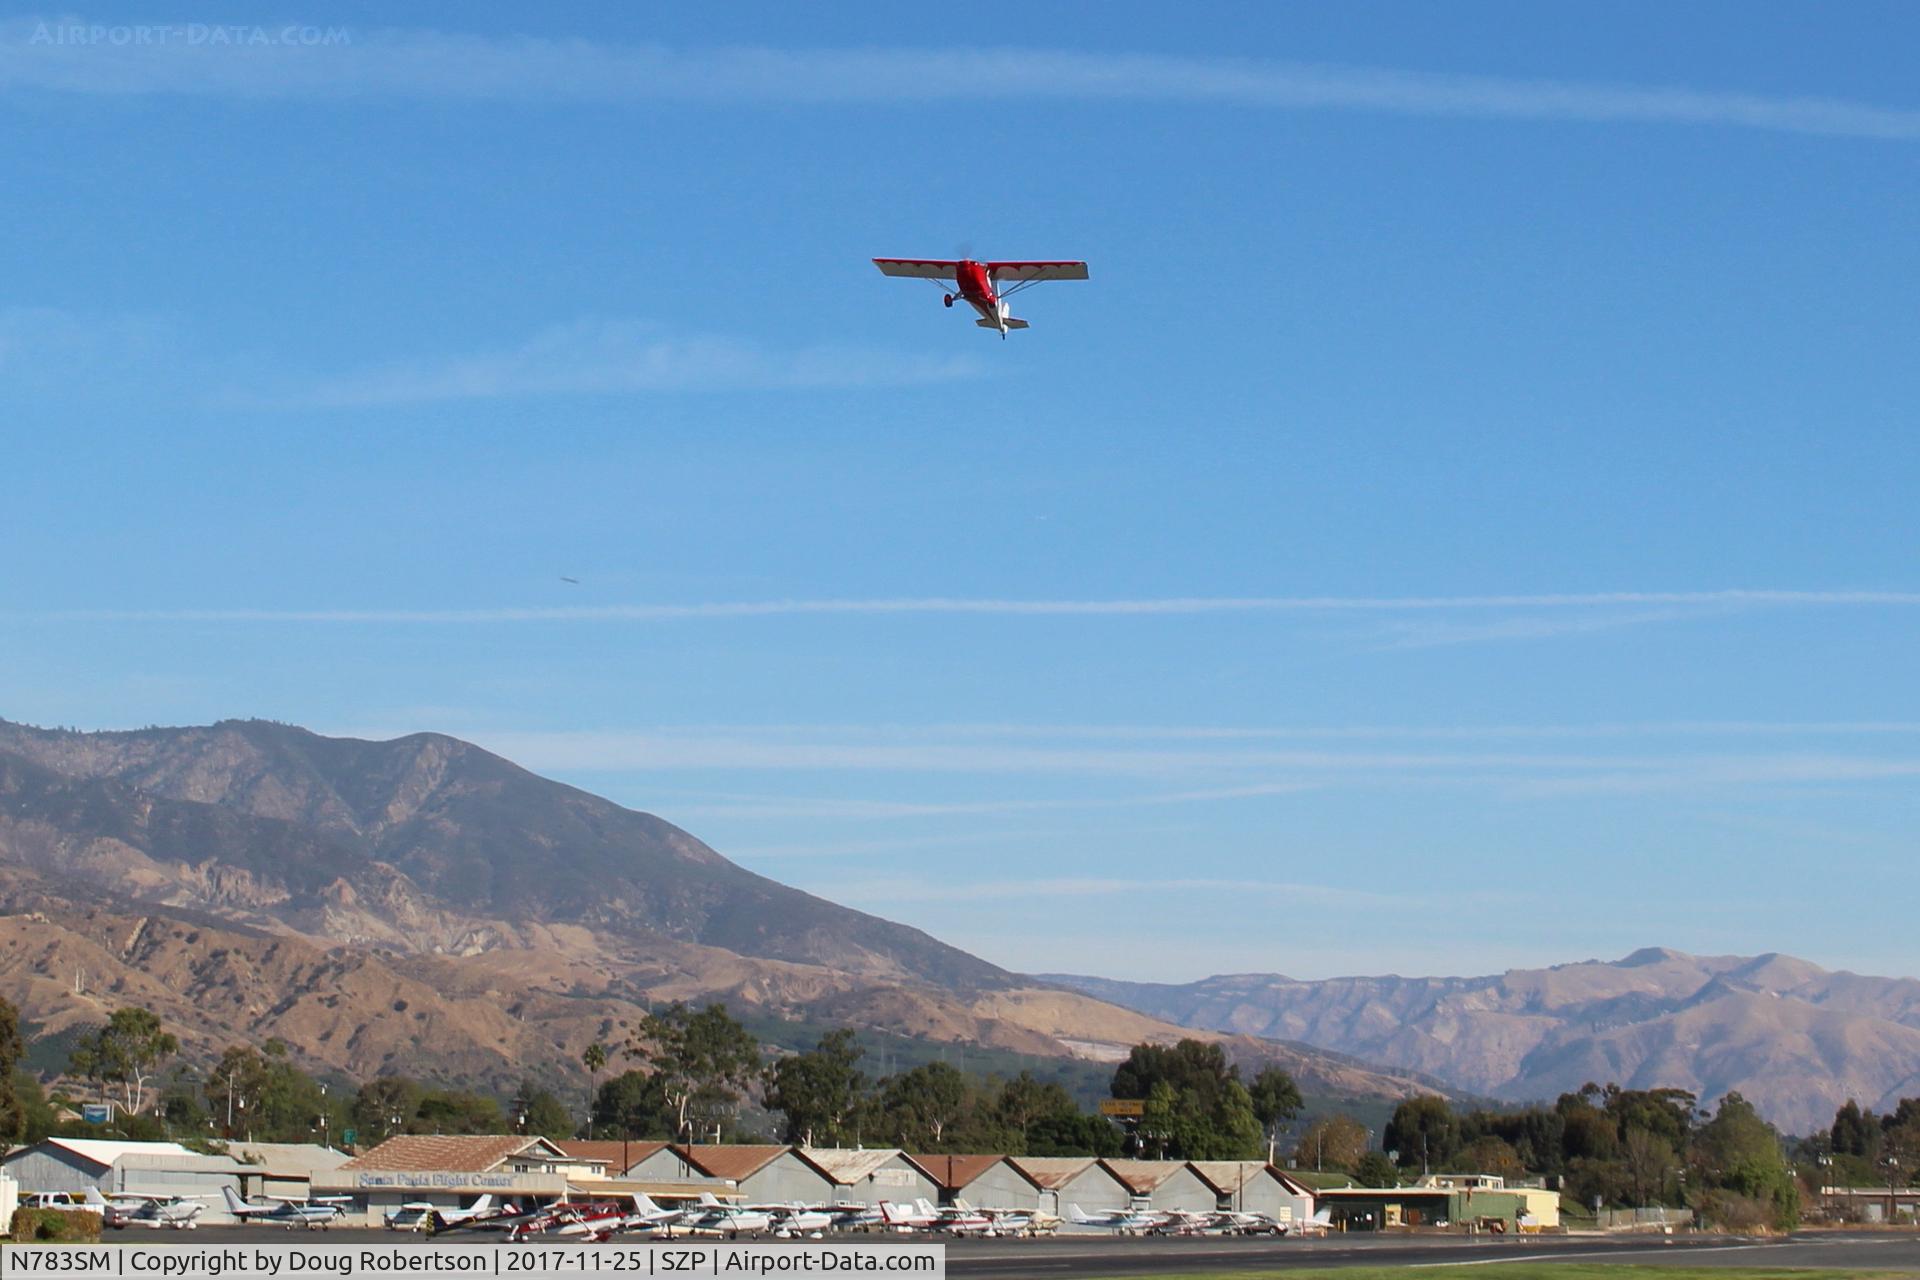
481,1205
1012,323
1075,1214
94,1199
890,1212
234,1203
643,1203
707,1200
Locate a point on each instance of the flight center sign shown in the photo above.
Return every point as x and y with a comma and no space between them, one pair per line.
694,1261
442,1180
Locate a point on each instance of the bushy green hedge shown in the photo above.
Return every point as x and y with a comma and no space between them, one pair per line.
58,1225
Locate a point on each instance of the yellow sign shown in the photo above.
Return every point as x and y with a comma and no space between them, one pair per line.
1130,1107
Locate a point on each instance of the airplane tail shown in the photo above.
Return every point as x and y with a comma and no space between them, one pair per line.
235,1205
890,1213
1074,1214
707,1201
94,1199
484,1203
1012,323
925,1208
643,1204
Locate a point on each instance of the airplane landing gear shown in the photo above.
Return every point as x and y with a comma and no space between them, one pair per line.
948,299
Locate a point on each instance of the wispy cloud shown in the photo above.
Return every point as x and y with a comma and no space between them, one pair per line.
287,63
960,889
1160,606
611,357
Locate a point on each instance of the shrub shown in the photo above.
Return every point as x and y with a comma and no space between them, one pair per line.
59,1226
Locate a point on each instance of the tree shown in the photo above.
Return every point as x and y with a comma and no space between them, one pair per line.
1646,1160
458,1111
1489,1153
13,1111
704,1060
633,1105
1424,1132
593,1057
1855,1132
922,1103
126,1052
1375,1170
1276,1100
1027,1101
1740,1153
819,1092
386,1106
234,1086
537,1110
1331,1142
1196,1106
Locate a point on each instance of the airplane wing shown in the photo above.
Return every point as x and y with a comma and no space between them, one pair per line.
1036,270
916,268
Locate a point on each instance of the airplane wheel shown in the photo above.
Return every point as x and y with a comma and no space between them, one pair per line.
948,299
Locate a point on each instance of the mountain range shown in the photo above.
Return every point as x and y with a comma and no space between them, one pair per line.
423,906
1793,1038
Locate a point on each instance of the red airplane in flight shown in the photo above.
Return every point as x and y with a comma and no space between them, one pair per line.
979,284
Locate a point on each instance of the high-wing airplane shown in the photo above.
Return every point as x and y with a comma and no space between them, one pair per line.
419,1215
311,1214
1121,1220
595,1221
984,286
794,1220
727,1220
180,1213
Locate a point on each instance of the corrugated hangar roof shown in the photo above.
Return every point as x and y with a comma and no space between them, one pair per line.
955,1172
847,1165
103,1151
731,1162
1142,1176
1051,1172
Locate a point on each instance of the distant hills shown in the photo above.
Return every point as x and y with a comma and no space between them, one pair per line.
1795,1039
424,906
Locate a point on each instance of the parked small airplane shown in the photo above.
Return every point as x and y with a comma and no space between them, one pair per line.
793,1220
418,1215
978,284
180,1213
594,1221
311,1214
727,1220
855,1217
1124,1221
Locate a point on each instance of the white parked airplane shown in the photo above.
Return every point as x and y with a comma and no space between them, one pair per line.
1121,1220
180,1213
727,1220
312,1214
791,1220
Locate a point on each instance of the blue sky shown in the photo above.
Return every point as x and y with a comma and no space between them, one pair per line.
1465,521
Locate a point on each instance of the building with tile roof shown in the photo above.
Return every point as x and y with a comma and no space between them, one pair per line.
617,1156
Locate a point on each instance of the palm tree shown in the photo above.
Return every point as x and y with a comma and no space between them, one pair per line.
594,1058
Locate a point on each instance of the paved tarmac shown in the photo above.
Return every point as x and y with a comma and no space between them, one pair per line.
1092,1255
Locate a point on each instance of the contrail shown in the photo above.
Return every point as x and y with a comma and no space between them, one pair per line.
276,61
930,605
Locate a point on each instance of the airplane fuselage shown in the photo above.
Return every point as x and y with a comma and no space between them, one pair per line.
976,290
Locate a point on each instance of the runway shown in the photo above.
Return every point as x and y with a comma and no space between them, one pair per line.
1094,1256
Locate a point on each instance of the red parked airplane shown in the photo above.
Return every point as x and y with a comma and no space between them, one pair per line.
978,283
